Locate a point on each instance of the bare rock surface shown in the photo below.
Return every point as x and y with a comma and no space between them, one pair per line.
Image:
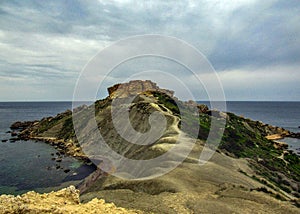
135,87
62,201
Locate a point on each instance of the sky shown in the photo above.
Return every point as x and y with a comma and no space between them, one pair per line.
254,46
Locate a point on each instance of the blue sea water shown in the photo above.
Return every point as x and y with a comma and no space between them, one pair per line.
281,114
29,165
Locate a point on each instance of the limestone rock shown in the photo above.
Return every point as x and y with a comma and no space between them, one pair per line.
280,145
62,201
203,108
135,87
274,137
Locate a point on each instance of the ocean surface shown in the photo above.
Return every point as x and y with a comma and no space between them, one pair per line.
29,166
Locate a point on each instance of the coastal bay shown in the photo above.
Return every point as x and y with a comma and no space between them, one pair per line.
34,165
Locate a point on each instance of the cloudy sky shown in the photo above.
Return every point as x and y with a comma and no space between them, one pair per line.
253,45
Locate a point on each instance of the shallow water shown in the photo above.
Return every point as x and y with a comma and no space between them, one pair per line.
294,144
29,165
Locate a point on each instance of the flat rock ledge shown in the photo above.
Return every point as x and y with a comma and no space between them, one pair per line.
274,137
62,201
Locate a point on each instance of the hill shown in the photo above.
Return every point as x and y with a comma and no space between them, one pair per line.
248,173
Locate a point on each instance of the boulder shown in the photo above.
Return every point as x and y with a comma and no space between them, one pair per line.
203,108
13,134
67,170
274,137
295,135
280,145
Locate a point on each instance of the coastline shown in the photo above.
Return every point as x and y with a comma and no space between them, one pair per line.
257,152
29,130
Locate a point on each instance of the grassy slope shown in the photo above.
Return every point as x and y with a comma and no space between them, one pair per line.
245,138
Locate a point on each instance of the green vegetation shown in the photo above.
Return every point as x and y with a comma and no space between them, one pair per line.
167,102
67,131
46,124
244,138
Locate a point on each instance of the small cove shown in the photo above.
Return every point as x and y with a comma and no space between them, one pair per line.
33,165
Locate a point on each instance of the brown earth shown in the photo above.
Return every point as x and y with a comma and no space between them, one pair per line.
222,185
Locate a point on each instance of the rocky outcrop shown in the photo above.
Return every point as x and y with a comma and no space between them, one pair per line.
203,108
274,137
62,201
276,130
21,125
295,135
280,145
135,87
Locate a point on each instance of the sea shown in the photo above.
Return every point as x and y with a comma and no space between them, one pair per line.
29,165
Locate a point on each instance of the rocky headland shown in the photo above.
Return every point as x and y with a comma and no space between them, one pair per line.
250,172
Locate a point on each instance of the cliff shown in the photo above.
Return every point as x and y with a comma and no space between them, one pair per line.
135,87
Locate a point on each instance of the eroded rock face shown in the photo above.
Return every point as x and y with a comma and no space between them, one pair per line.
62,201
135,87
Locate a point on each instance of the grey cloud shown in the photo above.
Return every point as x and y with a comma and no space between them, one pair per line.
54,39
268,38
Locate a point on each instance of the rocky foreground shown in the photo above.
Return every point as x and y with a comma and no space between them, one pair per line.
249,173
62,201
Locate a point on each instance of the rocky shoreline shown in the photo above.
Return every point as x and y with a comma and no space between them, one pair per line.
27,131
66,143
23,131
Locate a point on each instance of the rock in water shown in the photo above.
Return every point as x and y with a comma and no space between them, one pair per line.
67,170
21,125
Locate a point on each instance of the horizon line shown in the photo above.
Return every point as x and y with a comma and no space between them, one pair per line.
33,101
